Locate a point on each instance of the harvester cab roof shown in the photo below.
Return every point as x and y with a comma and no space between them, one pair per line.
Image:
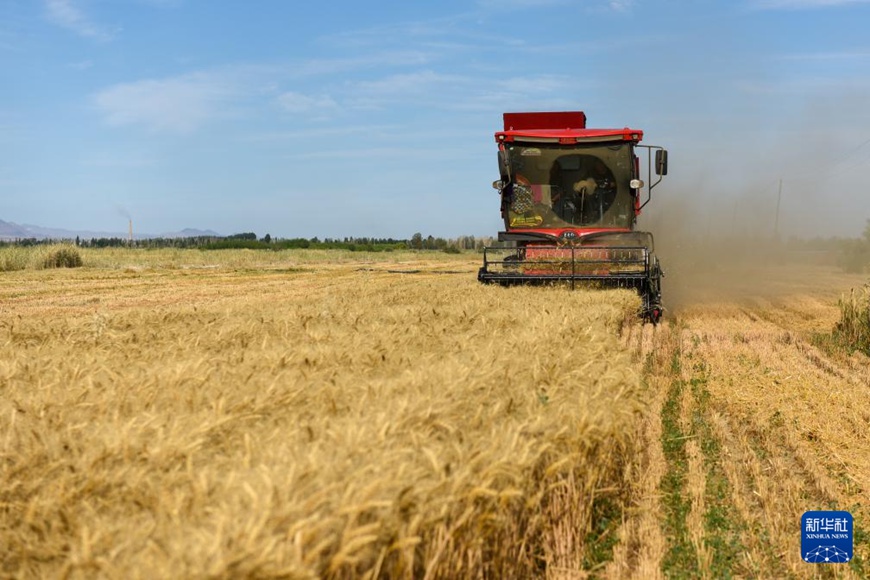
572,187
565,128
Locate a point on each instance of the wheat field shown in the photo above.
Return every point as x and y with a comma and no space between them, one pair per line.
307,414
327,414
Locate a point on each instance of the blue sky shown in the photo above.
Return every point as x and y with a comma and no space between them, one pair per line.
377,118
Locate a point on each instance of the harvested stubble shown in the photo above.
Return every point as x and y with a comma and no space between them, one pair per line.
339,423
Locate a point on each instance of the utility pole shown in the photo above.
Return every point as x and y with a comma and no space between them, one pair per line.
734,221
776,221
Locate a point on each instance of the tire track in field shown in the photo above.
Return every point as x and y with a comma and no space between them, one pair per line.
737,443
676,526
642,543
766,389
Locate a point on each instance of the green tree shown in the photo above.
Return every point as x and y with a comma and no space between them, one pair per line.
855,253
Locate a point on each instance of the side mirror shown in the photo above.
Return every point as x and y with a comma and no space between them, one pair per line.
661,162
503,163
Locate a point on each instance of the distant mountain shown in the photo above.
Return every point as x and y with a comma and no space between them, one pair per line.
191,233
12,231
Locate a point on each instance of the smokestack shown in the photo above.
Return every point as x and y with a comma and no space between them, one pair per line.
130,239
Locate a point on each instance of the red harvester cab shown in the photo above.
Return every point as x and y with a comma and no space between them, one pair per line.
570,197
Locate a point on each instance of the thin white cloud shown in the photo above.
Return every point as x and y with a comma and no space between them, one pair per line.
807,85
617,5
8,44
162,3
186,103
826,56
378,60
520,4
66,14
538,84
417,88
404,84
372,153
12,32
801,4
328,131
433,90
294,102
621,5
116,159
175,105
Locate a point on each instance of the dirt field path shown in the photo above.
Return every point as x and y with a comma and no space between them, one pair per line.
750,424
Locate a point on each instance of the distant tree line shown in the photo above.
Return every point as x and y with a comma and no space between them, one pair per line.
854,253
250,240
851,254
418,242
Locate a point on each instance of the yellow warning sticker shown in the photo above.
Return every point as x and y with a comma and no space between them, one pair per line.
521,221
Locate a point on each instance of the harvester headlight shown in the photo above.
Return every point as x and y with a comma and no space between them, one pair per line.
635,183
498,184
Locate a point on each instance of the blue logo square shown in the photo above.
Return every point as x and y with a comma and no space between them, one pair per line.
826,537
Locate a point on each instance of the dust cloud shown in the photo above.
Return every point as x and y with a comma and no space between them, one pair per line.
716,251
754,203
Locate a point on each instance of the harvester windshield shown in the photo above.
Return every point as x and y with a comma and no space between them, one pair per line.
554,186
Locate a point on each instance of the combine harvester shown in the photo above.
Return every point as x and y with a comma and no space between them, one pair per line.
570,197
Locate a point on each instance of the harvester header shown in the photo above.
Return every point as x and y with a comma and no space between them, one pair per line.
570,197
